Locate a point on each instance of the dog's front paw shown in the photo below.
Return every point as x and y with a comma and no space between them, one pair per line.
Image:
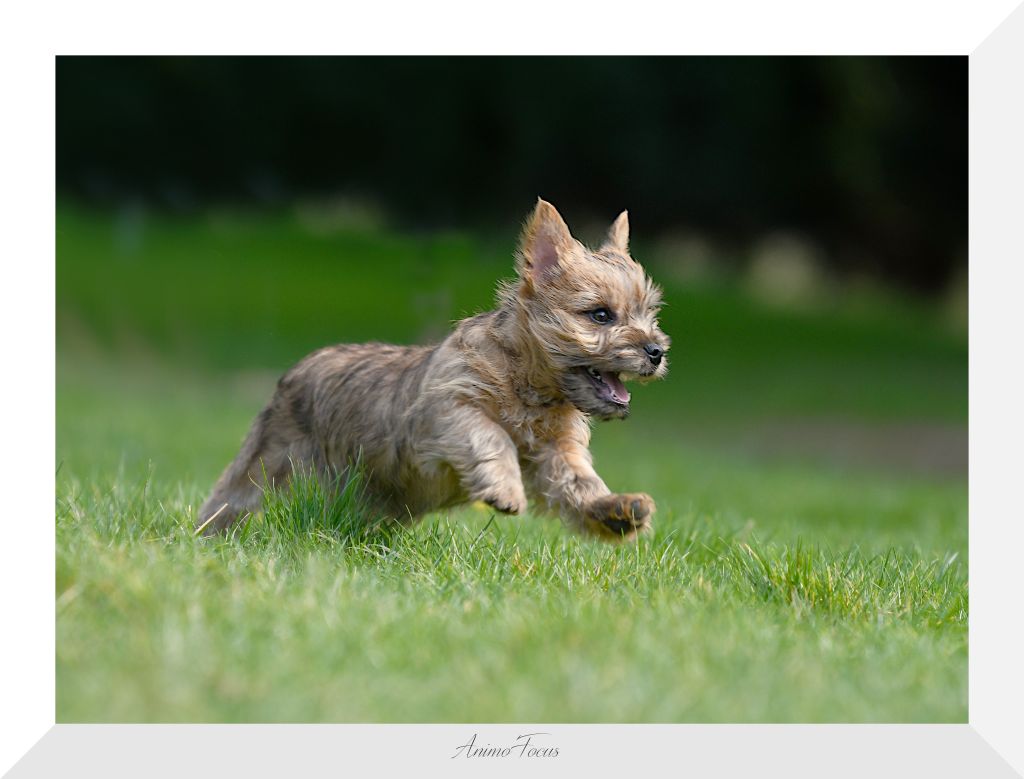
507,500
619,517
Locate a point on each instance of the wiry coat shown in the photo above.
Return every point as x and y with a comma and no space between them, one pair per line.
499,410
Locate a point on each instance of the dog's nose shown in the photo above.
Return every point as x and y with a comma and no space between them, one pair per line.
654,352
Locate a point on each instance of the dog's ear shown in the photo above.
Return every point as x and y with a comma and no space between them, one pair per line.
545,243
618,235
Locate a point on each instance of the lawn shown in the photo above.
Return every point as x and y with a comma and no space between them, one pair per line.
790,576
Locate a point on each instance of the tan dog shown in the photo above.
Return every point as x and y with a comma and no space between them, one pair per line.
498,410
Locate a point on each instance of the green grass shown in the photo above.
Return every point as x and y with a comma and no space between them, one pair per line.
772,588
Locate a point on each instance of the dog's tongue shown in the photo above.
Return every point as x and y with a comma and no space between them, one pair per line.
619,392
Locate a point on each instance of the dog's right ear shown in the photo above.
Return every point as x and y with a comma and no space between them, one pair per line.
618,235
544,244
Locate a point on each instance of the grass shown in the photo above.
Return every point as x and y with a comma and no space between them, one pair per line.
772,588
482,619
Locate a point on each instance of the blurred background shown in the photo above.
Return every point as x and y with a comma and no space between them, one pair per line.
220,217
864,158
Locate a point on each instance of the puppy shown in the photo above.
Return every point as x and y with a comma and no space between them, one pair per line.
498,411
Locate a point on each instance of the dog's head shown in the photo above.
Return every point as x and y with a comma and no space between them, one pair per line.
590,317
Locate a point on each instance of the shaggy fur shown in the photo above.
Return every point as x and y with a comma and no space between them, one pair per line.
499,410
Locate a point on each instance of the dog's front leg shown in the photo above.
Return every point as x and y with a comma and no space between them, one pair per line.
484,457
563,476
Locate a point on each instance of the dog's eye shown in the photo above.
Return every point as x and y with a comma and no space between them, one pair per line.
602,316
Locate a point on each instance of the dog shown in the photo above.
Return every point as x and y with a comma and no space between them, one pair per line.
498,411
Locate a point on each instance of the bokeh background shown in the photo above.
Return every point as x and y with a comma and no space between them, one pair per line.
218,218
867,157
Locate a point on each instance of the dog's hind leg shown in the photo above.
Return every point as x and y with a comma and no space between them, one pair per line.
230,499
262,462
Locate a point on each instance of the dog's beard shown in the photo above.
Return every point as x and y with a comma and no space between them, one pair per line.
596,392
600,392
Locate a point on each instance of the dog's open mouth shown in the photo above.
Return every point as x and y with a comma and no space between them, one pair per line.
609,386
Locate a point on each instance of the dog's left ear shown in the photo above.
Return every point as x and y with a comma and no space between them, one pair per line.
544,245
618,235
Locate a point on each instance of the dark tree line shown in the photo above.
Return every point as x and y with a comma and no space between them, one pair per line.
867,155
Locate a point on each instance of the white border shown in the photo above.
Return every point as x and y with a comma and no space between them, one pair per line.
276,751
525,27
34,33
27,448
997,388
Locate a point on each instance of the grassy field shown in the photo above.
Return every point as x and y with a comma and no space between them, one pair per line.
786,582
